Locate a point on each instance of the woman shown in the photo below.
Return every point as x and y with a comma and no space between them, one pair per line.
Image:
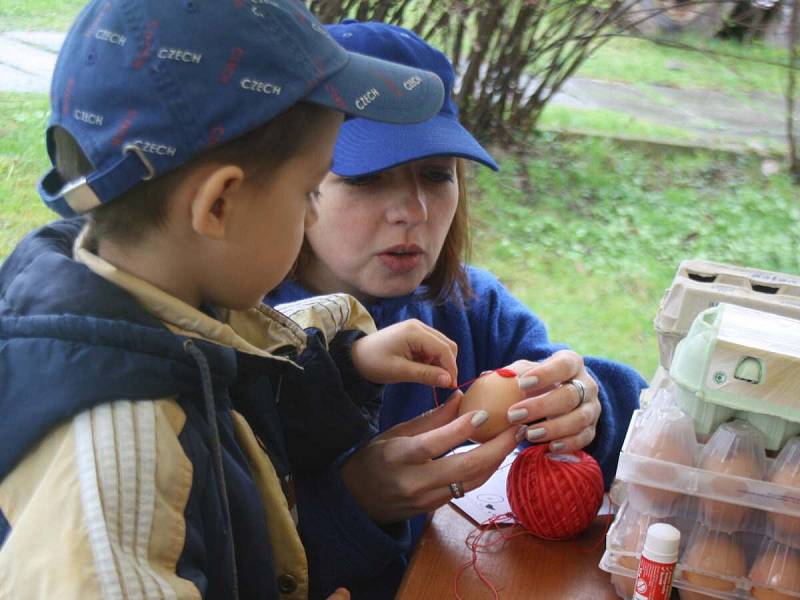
390,228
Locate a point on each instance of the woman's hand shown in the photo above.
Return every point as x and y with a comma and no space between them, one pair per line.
398,475
340,594
407,351
568,424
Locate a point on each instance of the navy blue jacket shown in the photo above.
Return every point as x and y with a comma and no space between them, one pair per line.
73,346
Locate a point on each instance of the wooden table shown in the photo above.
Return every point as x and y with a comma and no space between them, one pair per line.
526,568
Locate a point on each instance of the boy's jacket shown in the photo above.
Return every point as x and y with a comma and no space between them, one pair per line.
110,463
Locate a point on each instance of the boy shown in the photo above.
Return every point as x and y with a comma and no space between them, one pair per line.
162,438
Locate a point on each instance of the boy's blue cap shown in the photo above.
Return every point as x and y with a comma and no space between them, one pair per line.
145,85
364,147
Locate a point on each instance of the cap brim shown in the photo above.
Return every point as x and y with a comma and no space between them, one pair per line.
365,147
379,90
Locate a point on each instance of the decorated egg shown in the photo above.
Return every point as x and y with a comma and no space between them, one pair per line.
494,392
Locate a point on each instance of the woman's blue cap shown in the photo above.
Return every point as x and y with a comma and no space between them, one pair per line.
364,147
144,86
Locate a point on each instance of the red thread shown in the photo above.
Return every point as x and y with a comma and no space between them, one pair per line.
554,496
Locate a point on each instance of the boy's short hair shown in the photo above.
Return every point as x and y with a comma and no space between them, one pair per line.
144,207
144,86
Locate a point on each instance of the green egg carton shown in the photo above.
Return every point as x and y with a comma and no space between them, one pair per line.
738,362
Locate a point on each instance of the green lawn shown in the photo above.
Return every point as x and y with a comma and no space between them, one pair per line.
38,14
725,65
596,240
23,159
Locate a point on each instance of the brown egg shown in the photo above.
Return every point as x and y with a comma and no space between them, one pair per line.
494,394
787,528
630,540
717,553
778,566
722,515
669,439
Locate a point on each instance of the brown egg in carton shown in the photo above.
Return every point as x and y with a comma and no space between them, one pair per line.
665,436
735,502
712,563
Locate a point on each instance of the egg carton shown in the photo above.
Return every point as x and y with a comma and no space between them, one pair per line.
737,362
700,284
682,482
711,564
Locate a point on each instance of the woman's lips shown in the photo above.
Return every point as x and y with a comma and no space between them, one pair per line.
401,259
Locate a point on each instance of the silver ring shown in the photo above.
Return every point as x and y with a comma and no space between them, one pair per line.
581,388
457,489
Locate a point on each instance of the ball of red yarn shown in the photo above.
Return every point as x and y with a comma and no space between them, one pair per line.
554,496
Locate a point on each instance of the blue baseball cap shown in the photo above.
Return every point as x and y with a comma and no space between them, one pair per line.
145,85
364,147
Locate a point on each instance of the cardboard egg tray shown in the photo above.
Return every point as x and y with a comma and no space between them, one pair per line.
753,559
700,284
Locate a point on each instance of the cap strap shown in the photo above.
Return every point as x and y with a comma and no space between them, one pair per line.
82,195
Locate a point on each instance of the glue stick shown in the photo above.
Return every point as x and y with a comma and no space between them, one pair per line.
659,555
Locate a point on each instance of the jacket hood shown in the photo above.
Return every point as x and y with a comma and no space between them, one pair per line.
70,340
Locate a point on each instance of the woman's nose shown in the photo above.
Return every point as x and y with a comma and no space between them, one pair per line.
410,206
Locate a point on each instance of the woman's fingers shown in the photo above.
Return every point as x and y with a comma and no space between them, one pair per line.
576,428
435,442
561,366
436,417
471,469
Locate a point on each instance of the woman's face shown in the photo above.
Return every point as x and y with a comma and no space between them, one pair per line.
380,235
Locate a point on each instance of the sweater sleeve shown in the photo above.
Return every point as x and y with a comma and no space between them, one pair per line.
506,330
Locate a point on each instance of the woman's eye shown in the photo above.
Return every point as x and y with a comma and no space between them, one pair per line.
313,195
359,181
440,175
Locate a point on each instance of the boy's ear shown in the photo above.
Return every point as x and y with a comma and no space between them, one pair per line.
214,200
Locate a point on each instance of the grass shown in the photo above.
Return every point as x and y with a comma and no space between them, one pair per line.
595,241
38,14
23,159
641,61
611,123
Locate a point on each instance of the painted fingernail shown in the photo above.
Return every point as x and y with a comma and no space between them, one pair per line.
519,414
528,382
520,435
557,446
479,418
443,380
536,434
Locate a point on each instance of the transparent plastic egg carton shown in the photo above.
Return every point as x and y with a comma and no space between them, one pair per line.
711,564
740,536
